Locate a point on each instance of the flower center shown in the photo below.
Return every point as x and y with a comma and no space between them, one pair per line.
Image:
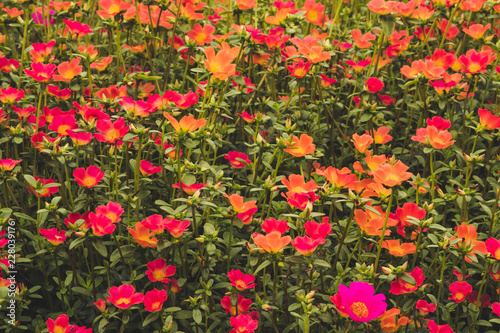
359,309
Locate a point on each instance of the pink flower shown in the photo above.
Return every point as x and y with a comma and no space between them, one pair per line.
147,168
360,303
374,85
241,281
234,158
154,299
399,286
40,72
245,323
54,236
124,296
318,231
435,328
305,245
89,177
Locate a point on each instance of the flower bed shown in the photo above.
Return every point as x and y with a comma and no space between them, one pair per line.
248,166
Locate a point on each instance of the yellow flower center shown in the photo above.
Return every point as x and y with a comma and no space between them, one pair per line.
89,181
360,309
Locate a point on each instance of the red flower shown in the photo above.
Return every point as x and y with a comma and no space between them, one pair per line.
101,225
484,302
63,124
182,101
271,225
154,299
425,307
459,290
89,177
190,189
488,120
241,281
77,29
111,210
8,164
158,271
495,307
305,245
439,123
318,231
435,328
40,72
147,168
302,200
124,296
234,158
244,323
493,247
177,227
374,85
54,236
400,286
101,305
61,324
242,303
109,131
80,138
299,69
43,190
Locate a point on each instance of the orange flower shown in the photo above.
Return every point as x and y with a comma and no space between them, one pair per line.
246,4
362,142
381,135
297,184
391,174
397,249
468,241
388,321
340,178
272,242
112,7
372,223
300,147
187,124
436,138
220,64
143,235
314,12
201,35
362,41
476,31
280,16
239,206
314,54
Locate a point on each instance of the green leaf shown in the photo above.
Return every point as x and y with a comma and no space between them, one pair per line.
197,315
100,247
76,242
149,319
262,266
322,263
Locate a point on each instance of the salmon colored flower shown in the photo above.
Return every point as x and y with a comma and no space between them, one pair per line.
400,287
80,138
270,225
158,271
102,63
306,245
362,41
68,70
153,300
54,236
487,120
339,305
391,174
459,291
314,12
147,168
241,281
40,72
299,68
381,135
246,4
220,65
238,205
190,189
360,302
372,223
297,184
89,177
476,31
41,51
425,307
272,242
435,328
202,35
300,147
112,7
468,241
111,210
101,305
397,249
110,131
362,142
243,305
436,138
476,62
390,323
176,227
187,124
340,178
124,296
382,7
143,235
234,158
8,164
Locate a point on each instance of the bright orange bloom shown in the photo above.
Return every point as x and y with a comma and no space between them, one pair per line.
372,223
314,12
297,184
362,142
300,147
382,7
272,242
476,31
436,138
220,64
186,125
488,120
391,174
314,54
422,13
102,64
112,7
472,5
239,206
381,135
189,12
362,41
468,241
246,4
202,35
388,321
279,18
143,235
397,249
340,178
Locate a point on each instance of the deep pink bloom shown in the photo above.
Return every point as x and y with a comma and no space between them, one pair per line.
360,303
61,324
495,307
374,85
190,189
399,286
40,72
89,177
305,245
8,164
438,122
318,231
182,101
271,225
77,29
159,271
242,303
177,227
101,225
111,210
241,281
154,299
425,307
302,200
234,158
459,290
147,168
124,296
245,323
54,236
435,328
10,95
47,191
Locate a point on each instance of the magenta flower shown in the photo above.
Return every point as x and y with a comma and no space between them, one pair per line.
360,302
